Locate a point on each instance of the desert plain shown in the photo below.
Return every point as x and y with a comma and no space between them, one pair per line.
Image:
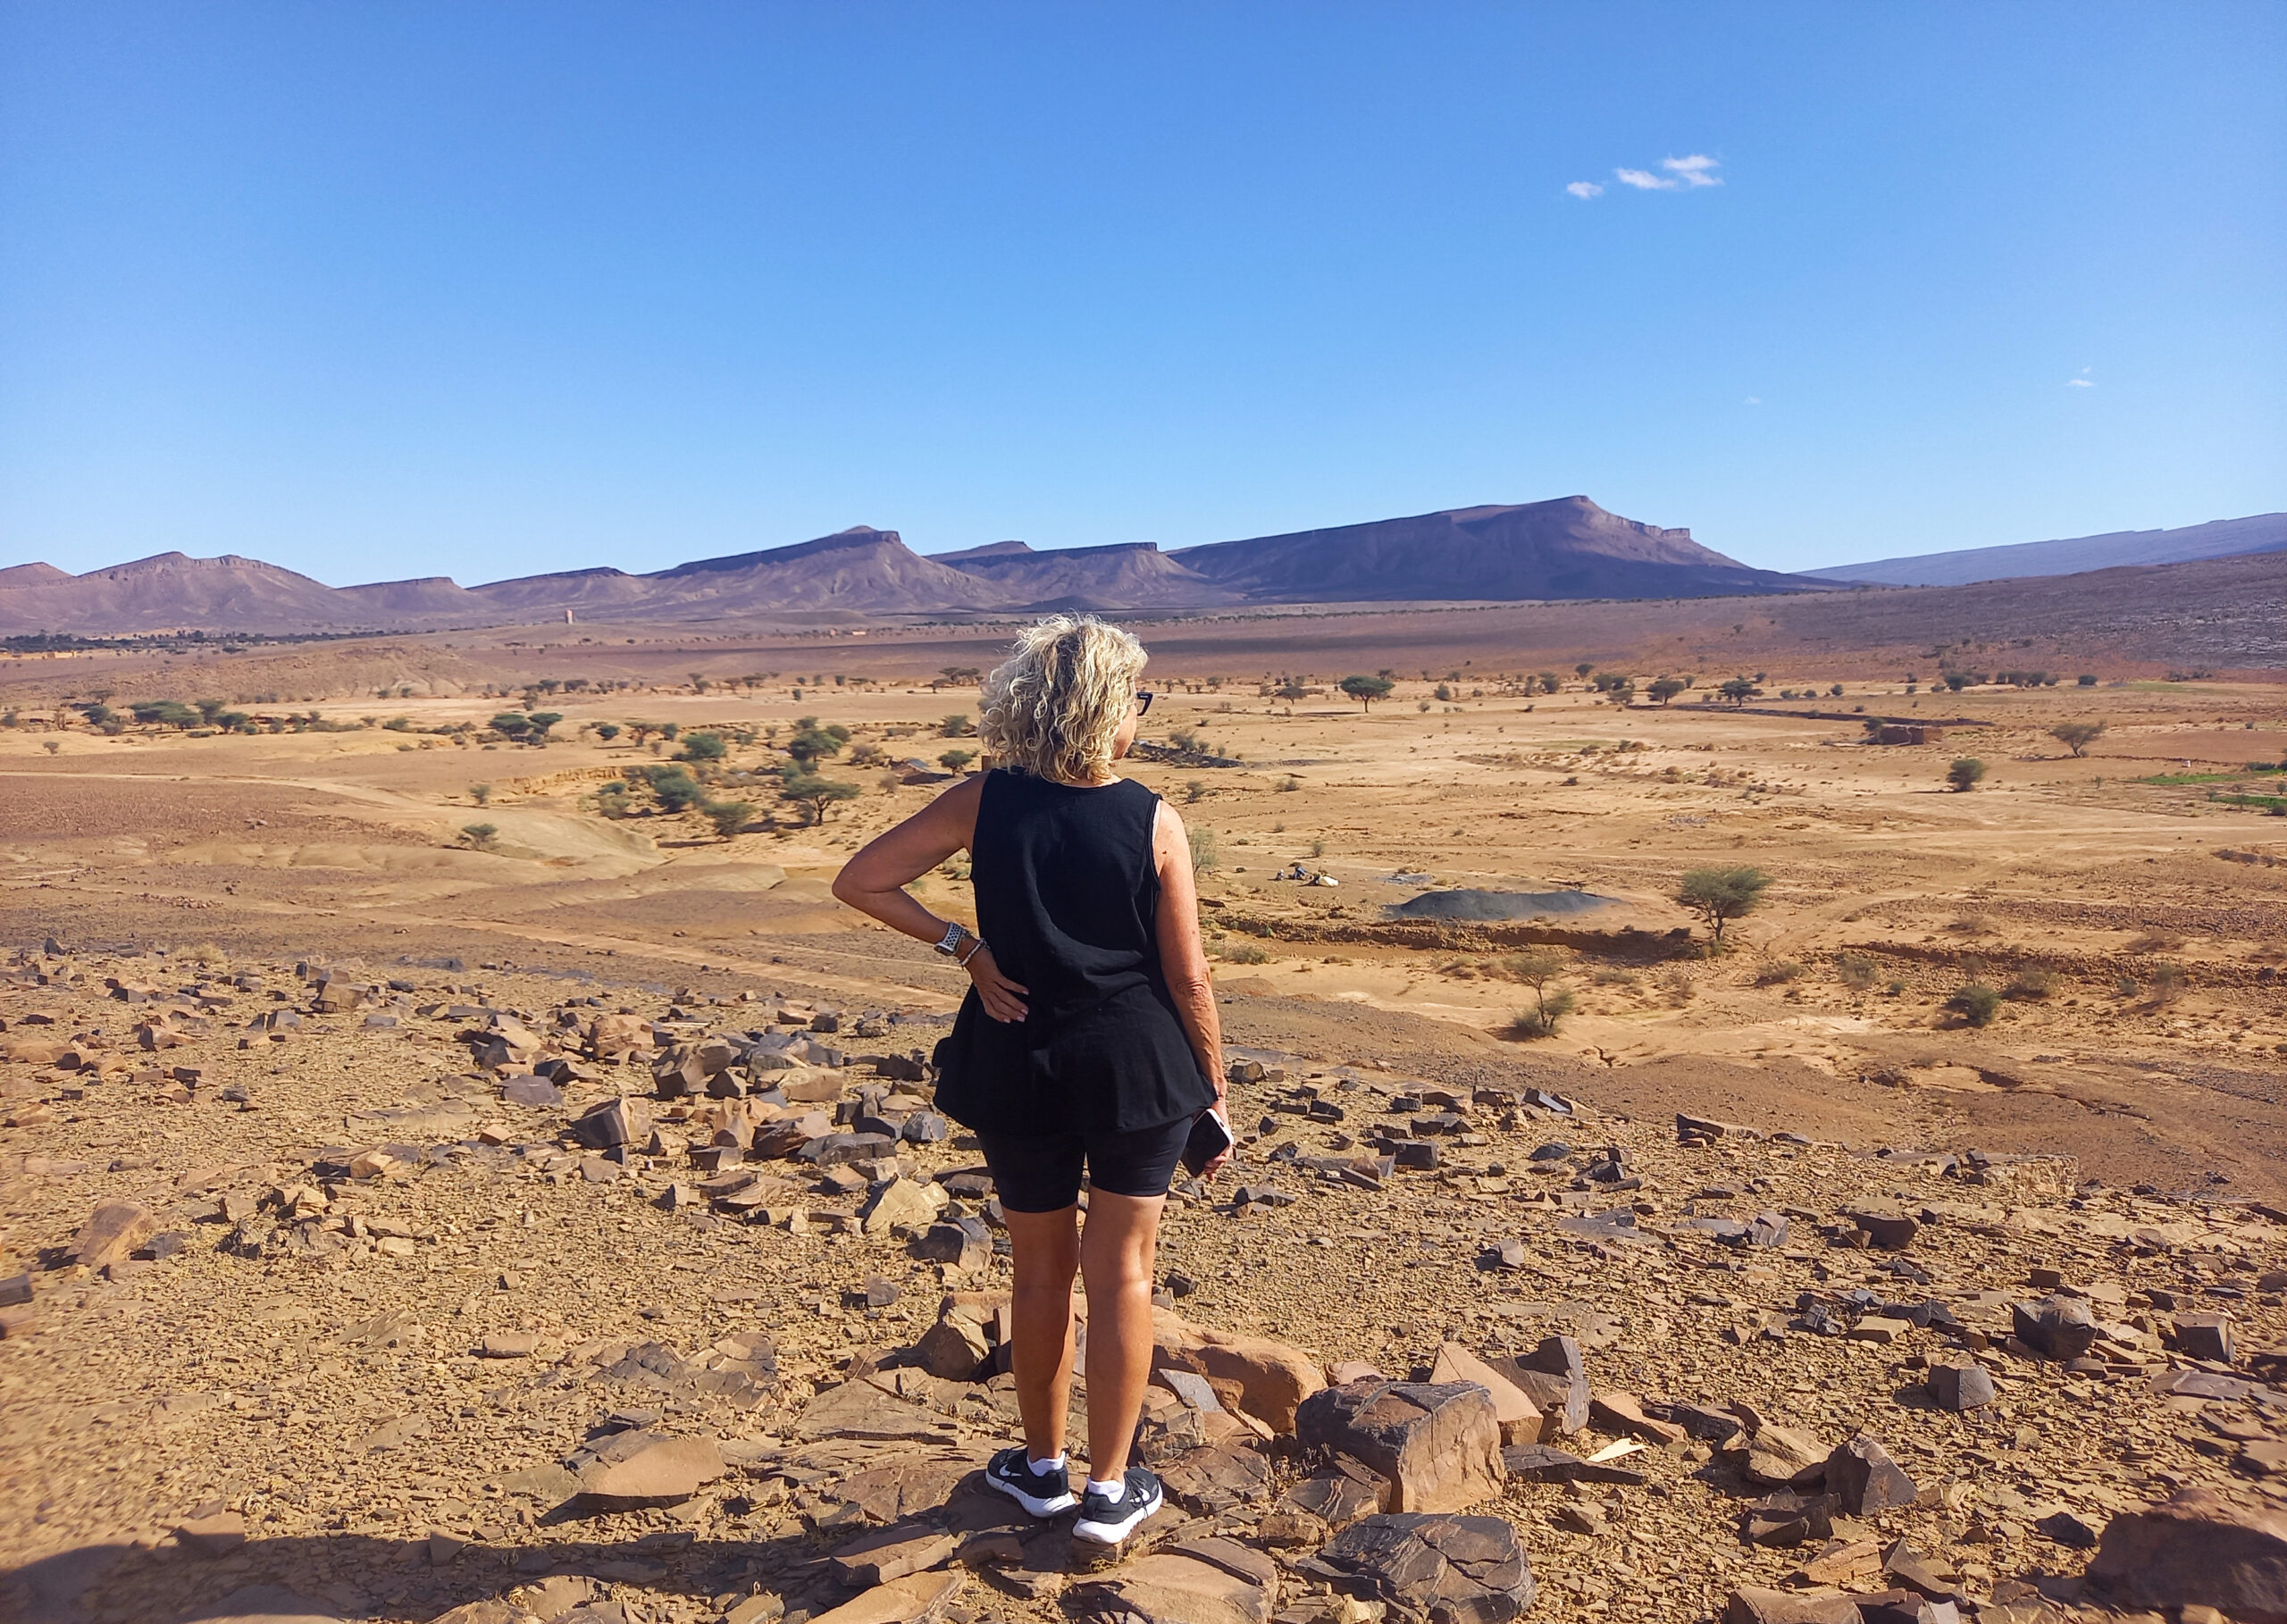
407,1127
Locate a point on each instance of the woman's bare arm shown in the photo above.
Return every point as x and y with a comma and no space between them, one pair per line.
1181,957
875,881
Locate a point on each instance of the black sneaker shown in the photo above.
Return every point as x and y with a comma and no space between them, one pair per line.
1043,1494
1107,1522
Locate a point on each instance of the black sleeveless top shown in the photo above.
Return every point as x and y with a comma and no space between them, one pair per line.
1068,897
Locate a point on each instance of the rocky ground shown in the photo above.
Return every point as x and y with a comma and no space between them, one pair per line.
406,1292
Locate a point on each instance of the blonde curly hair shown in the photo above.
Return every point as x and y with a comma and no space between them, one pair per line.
1052,708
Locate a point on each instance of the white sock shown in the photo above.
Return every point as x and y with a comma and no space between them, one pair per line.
1054,1465
1115,1492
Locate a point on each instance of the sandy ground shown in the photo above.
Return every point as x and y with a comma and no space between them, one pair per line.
2146,1006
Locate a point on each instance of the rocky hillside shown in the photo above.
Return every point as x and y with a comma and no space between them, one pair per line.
453,1296
1570,548
2224,538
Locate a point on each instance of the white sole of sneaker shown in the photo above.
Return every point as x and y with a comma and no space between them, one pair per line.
1113,1533
1034,1503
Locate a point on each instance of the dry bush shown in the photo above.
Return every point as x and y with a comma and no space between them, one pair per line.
1973,924
2156,941
2032,984
1776,971
205,953
1855,971
1242,952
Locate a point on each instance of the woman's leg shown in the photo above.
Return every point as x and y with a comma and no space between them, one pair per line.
1117,1254
1045,1250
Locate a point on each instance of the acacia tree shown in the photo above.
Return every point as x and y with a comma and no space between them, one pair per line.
1965,774
1719,895
1536,968
1666,688
1366,689
813,793
2077,736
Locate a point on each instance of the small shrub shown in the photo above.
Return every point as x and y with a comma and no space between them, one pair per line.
1855,971
1776,972
1195,791
1289,784
1242,952
480,793
1976,1003
1202,850
1966,773
2156,941
2168,984
956,726
729,817
953,761
2032,984
1542,1020
480,836
1678,986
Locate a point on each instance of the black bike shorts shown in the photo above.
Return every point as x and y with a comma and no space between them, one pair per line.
1042,1174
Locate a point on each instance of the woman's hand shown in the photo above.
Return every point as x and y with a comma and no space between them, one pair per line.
1003,1000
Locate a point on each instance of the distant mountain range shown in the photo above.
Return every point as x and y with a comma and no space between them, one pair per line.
2263,533
1566,549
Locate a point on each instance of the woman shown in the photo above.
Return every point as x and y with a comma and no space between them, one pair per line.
1088,1035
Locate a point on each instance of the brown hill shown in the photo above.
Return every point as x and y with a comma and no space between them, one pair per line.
859,568
1125,575
173,591
1569,547
2263,532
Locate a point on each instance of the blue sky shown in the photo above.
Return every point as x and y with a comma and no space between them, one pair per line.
378,290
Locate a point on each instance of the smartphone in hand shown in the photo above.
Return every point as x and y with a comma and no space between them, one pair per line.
1210,1138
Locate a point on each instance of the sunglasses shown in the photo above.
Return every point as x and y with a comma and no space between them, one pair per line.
1142,702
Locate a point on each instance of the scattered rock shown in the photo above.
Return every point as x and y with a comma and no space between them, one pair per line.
1520,1418
1202,1581
954,1349
1863,1477
2055,1327
1273,1380
1782,1457
1751,1604
1960,1387
914,1600
892,1553
2204,1336
1439,1446
1445,1569
112,1231
638,1467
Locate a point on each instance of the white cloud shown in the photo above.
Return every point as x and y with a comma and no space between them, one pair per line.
1696,171
1585,189
1752,400
2083,381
